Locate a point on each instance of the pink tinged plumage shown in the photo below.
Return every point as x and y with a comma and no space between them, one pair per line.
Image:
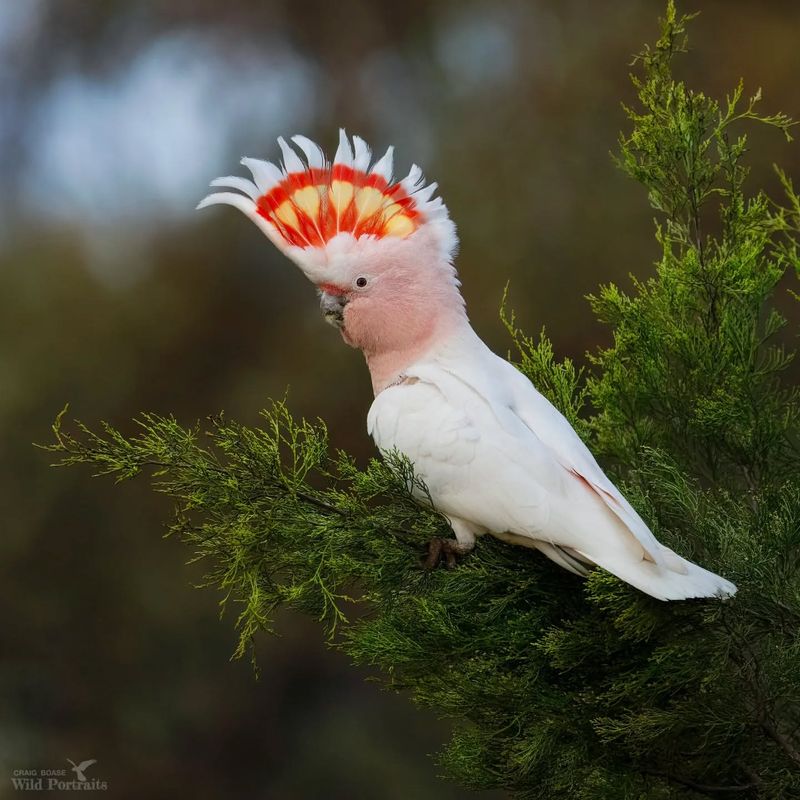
496,456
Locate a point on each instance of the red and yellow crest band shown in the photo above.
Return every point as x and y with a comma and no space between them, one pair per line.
309,208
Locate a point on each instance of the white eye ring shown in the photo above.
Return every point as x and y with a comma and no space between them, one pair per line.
361,282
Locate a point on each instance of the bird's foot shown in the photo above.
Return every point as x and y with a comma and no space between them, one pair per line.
442,551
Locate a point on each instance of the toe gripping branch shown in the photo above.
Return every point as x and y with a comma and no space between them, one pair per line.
441,551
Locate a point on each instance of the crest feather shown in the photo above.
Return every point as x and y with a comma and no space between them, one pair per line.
384,165
265,174
311,150
344,153
291,161
307,204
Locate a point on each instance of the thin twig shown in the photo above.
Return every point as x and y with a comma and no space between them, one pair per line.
704,788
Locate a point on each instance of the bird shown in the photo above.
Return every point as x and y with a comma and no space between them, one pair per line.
494,455
79,769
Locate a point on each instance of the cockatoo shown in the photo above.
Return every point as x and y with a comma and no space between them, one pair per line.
495,455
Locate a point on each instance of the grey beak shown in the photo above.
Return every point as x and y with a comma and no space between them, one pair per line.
332,306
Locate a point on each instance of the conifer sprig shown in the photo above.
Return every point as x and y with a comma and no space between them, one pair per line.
562,688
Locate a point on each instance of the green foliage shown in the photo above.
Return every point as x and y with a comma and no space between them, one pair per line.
560,688
562,383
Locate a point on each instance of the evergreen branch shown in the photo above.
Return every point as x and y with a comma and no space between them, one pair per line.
560,688
561,382
710,790
781,740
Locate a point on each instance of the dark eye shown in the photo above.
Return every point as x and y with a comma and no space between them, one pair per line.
361,282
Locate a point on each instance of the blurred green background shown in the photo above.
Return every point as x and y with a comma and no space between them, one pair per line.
115,296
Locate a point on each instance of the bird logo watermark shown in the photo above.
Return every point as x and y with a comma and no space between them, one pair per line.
58,779
78,769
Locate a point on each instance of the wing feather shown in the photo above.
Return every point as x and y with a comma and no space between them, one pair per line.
516,402
555,432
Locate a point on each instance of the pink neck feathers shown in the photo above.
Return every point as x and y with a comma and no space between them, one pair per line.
412,314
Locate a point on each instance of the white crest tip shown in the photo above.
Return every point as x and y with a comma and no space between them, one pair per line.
265,173
385,165
344,153
244,204
313,152
363,154
235,182
291,161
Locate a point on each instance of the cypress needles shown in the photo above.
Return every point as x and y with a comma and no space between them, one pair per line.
562,688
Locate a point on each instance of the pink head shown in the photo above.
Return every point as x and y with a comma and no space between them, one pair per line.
379,252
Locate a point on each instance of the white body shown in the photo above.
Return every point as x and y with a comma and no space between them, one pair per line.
498,458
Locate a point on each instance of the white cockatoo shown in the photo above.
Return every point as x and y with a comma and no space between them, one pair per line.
495,455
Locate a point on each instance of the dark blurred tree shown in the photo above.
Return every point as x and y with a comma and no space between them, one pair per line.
561,689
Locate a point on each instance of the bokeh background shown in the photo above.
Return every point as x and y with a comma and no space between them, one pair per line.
115,296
